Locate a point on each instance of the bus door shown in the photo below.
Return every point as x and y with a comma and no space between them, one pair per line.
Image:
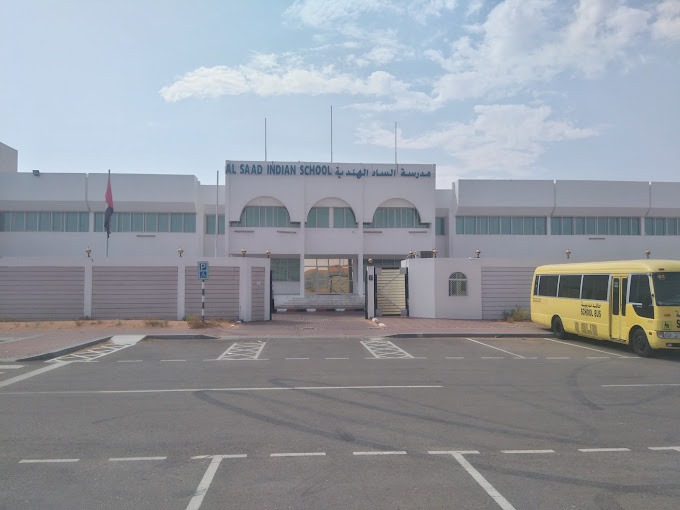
619,291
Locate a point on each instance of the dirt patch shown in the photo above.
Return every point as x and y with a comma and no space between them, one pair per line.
122,324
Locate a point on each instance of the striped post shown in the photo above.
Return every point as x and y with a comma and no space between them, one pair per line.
203,301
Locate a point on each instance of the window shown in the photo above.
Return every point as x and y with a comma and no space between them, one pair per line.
318,217
210,223
264,216
396,217
146,222
662,226
547,285
285,270
505,225
439,226
457,284
343,217
604,225
595,287
33,221
569,286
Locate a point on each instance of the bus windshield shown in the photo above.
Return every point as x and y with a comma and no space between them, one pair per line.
667,289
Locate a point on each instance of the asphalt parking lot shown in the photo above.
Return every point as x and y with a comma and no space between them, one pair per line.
368,422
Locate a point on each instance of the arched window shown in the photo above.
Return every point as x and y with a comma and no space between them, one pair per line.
457,284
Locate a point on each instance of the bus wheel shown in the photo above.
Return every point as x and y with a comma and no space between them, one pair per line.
558,328
640,344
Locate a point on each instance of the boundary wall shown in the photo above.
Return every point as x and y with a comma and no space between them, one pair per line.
48,288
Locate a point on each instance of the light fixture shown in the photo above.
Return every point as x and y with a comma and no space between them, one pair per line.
478,252
36,173
568,253
410,254
88,250
243,252
434,253
370,261
180,251
268,253
648,253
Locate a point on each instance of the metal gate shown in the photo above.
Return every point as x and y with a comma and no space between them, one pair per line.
391,291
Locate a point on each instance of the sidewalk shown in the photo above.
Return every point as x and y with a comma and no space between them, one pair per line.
34,344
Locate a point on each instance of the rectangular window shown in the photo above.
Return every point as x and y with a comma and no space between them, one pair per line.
639,289
659,226
5,223
517,227
84,221
541,226
71,222
31,222
591,226
137,222
45,222
439,226
569,286
470,224
494,225
613,226
529,226
57,222
505,225
150,222
579,226
556,226
285,270
602,226
482,225
547,285
163,222
18,222
460,225
189,223
595,287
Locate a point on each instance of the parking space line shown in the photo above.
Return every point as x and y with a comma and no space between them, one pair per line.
298,454
204,485
28,375
588,348
399,452
527,451
477,476
173,360
336,358
493,347
602,450
10,367
129,361
46,461
134,459
661,448
638,385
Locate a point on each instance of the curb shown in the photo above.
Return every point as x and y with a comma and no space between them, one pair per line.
64,350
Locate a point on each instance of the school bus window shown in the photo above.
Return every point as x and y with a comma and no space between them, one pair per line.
569,286
595,287
547,286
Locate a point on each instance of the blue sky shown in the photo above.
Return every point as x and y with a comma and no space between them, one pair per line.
514,89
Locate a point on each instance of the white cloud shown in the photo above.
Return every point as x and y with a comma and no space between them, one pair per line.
327,13
273,79
501,139
422,10
667,23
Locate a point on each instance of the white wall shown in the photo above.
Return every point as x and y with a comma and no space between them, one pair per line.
9,159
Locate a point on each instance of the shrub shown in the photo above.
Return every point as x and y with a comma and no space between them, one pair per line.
516,315
156,323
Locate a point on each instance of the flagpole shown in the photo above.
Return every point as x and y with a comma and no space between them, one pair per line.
107,234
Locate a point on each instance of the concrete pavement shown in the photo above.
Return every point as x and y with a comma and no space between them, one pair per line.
34,343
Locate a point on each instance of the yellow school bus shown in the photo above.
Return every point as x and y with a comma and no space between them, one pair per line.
635,302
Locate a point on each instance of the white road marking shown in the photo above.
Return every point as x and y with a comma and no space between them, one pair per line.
173,360
384,349
189,390
493,347
588,348
46,461
558,357
243,351
493,357
129,361
10,367
299,454
296,358
597,357
91,354
401,452
455,357
337,358
28,375
601,450
638,385
676,448
133,459
527,451
204,485
490,490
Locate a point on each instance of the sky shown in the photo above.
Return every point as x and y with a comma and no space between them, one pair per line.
513,89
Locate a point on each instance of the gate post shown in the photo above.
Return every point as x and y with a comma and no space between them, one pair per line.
369,294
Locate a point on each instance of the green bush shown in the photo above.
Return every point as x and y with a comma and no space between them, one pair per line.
516,315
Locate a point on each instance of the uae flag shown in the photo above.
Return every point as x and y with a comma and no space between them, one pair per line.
108,196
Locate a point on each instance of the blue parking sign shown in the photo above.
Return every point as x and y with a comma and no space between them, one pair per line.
203,270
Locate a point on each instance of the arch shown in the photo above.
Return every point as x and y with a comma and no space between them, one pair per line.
339,214
264,211
395,213
458,284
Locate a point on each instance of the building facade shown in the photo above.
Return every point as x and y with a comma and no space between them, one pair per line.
320,224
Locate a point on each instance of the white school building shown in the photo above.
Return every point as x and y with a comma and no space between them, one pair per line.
319,229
